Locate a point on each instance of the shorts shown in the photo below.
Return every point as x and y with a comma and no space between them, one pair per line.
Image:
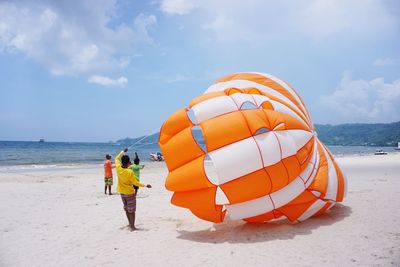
108,180
129,202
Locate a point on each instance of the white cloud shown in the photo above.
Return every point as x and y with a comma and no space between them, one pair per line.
383,62
360,101
106,81
178,7
265,20
72,37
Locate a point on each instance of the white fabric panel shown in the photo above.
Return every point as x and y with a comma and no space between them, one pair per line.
313,174
315,193
307,172
288,193
314,208
300,137
242,98
286,86
246,84
269,147
332,204
250,208
287,144
220,197
236,160
284,109
213,107
210,172
331,191
260,99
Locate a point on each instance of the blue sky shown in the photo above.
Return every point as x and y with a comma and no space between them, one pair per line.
103,70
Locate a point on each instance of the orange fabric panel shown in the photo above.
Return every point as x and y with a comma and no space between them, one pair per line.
205,97
232,90
216,215
273,117
261,218
174,148
320,182
295,208
224,130
300,114
324,208
190,176
278,174
200,202
256,120
268,216
253,91
292,166
248,187
293,123
173,125
267,105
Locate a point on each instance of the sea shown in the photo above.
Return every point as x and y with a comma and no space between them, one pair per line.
37,155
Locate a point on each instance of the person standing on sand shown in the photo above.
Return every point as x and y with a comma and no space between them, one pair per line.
108,175
126,181
136,170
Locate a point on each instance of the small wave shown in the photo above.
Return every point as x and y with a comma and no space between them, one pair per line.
44,166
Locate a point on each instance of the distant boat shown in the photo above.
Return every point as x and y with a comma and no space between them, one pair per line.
380,152
398,146
157,156
41,140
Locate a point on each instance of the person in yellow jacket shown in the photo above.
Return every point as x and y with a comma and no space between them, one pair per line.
126,181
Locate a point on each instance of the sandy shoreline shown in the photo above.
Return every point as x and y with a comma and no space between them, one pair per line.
62,217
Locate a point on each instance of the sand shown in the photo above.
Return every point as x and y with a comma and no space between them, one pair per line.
61,217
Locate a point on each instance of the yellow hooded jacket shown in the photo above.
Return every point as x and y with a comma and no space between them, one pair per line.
126,177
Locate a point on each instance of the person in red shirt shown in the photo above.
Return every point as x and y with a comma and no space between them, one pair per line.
108,175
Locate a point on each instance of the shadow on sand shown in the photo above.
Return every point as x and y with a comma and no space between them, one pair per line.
241,232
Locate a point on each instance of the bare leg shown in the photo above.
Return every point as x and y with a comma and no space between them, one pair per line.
127,216
105,189
109,190
132,220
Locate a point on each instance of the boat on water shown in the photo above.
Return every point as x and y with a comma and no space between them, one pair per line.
156,156
398,146
380,152
41,140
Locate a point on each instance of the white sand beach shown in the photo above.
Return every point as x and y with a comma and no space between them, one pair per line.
61,217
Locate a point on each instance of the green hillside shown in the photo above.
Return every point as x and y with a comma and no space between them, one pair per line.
352,134
378,134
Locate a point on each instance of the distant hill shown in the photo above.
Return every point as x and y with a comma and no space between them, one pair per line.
360,134
351,134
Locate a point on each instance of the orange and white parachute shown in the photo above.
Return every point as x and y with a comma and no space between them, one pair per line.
268,160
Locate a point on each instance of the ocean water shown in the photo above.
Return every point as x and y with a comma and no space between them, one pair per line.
17,155
36,155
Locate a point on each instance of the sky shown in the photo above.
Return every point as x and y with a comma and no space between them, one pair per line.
100,70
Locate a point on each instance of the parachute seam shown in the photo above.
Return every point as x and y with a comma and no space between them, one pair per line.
258,147
279,142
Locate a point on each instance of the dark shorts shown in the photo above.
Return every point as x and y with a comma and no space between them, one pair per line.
108,180
129,202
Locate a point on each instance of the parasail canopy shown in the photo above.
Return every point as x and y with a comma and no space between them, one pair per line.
268,161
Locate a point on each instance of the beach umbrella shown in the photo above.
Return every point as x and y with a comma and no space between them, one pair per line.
260,139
